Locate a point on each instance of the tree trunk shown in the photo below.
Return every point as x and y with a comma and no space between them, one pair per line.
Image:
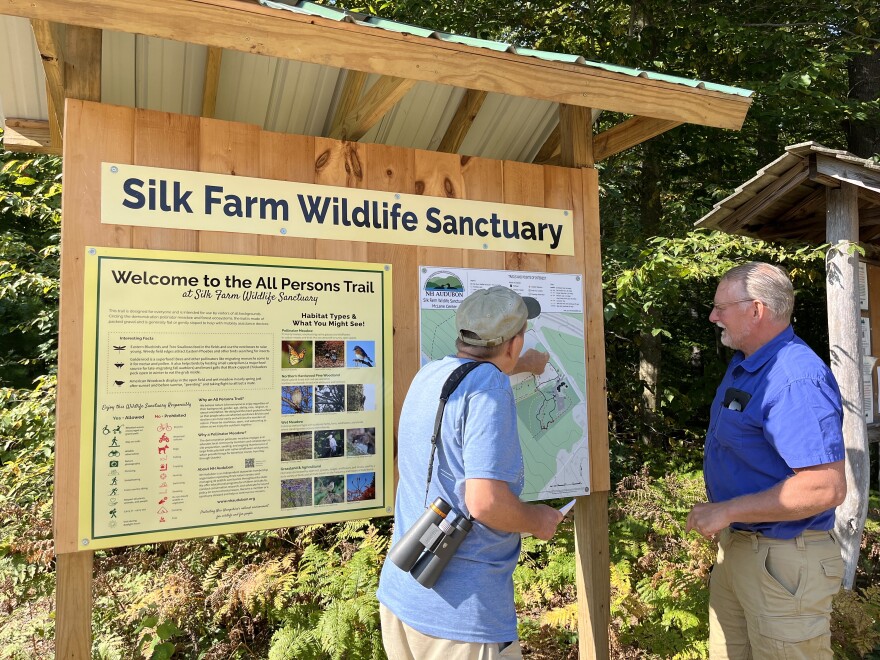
863,136
846,362
650,351
650,346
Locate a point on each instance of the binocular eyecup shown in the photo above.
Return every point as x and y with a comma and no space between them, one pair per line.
425,550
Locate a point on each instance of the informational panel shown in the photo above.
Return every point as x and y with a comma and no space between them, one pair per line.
869,303
551,407
230,393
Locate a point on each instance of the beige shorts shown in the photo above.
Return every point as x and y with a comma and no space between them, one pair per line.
405,643
771,598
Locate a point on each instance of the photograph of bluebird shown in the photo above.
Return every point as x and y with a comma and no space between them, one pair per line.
360,354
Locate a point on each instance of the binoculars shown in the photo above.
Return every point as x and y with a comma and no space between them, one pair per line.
425,550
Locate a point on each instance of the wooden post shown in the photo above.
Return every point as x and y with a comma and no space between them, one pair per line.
842,232
73,598
73,572
591,512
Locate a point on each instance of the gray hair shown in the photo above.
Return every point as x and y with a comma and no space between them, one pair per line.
768,283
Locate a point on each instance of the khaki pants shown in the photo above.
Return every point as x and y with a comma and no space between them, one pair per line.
771,598
404,643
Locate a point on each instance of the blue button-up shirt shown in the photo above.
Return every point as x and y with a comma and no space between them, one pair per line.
792,417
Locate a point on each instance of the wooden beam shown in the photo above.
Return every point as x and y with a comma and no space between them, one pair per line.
56,134
378,100
71,58
808,205
82,66
50,37
798,232
248,27
628,134
462,120
869,217
212,81
352,89
550,149
785,183
576,136
29,136
832,172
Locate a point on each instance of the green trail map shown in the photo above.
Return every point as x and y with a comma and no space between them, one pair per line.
551,407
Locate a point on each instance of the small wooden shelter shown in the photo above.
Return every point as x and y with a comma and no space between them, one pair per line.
815,195
311,94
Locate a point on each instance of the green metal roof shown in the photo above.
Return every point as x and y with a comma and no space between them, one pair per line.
332,13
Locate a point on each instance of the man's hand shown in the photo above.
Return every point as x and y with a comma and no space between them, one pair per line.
707,519
532,361
547,519
808,492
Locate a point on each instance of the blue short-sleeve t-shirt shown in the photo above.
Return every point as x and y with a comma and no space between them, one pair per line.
473,599
776,410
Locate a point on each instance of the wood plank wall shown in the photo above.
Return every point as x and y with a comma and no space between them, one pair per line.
97,132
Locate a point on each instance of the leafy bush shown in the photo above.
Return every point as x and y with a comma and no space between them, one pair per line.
663,291
29,200
659,575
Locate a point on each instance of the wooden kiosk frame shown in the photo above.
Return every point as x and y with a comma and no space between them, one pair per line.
69,38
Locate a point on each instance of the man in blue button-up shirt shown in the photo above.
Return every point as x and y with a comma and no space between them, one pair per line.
774,471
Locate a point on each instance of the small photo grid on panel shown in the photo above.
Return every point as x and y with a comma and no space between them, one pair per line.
360,397
360,442
329,398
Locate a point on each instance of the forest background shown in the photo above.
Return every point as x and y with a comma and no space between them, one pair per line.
309,592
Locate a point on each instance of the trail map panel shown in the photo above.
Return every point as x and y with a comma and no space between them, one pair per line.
551,408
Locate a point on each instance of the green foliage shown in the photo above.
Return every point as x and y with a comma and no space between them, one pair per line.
665,290
855,626
330,605
544,590
154,638
856,622
30,198
659,574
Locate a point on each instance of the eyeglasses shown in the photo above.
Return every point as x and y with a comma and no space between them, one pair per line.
720,307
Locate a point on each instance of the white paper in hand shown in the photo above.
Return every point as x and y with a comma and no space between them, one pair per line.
564,510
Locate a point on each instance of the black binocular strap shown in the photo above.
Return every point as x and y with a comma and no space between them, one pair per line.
449,387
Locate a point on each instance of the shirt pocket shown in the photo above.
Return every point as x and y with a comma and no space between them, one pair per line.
738,429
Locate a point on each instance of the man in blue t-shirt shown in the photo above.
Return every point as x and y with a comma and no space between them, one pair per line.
774,471
478,470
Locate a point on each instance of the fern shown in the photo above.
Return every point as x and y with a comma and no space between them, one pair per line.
293,643
214,573
561,617
332,610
